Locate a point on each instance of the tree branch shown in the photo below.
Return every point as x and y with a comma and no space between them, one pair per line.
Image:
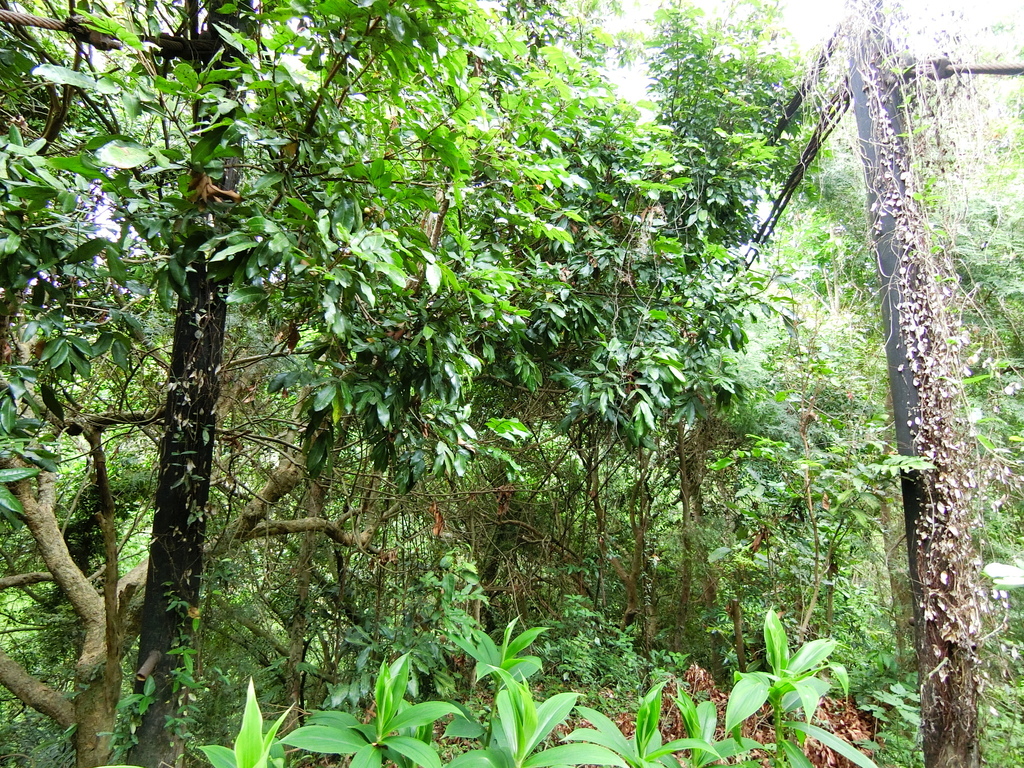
24,579
36,694
329,528
42,523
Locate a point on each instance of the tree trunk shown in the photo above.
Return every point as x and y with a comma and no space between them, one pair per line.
924,377
294,676
179,522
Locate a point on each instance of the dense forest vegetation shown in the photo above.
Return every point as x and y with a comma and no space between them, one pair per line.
383,355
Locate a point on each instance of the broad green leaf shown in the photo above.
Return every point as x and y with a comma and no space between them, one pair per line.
249,743
83,166
607,733
123,154
328,740
461,727
840,673
832,741
17,473
271,734
747,697
341,720
477,758
688,710
810,692
414,749
707,717
776,643
810,656
324,397
678,745
246,295
65,76
367,757
575,754
524,667
731,747
648,714
390,692
420,714
219,757
433,275
523,641
795,755
467,646
551,714
512,717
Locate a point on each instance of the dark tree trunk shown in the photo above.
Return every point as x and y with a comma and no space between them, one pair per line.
179,523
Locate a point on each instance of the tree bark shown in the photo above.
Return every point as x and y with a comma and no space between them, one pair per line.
179,521
93,706
924,378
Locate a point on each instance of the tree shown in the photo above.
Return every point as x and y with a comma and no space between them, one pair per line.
374,233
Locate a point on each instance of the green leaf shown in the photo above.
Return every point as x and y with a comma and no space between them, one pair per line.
732,747
246,295
421,714
50,401
810,656
842,676
249,744
648,714
340,720
10,502
795,755
525,638
776,643
607,733
367,757
324,397
678,745
65,76
747,697
123,154
433,275
510,429
688,711
82,165
414,749
810,692
461,727
551,714
325,739
575,754
87,250
390,692
396,25
832,741
219,757
17,473
477,758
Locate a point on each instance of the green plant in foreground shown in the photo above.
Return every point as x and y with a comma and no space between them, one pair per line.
519,726
253,747
399,731
646,750
490,657
701,721
792,684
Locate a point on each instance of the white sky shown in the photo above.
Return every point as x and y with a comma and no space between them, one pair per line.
811,22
